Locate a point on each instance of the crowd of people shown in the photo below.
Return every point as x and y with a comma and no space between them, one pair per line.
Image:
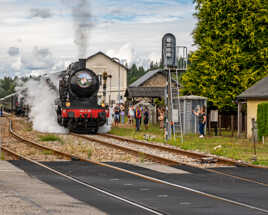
138,114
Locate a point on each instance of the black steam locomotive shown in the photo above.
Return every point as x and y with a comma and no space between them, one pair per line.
78,108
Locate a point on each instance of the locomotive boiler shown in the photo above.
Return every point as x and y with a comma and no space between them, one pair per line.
78,108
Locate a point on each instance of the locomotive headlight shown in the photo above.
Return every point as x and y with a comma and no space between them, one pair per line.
84,79
68,104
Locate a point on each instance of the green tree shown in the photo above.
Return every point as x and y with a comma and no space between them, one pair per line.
7,86
232,42
134,73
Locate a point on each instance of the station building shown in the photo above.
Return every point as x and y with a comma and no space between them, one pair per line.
116,83
256,94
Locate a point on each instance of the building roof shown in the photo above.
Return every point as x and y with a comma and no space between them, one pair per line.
144,78
101,53
153,92
258,90
193,97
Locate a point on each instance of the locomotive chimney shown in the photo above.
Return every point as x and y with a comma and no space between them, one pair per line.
82,63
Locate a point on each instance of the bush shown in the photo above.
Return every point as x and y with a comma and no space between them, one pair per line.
262,120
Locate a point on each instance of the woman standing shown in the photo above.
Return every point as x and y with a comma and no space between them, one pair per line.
122,113
202,118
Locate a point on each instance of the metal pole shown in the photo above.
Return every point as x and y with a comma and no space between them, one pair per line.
254,135
119,85
171,105
110,76
1,147
166,101
179,105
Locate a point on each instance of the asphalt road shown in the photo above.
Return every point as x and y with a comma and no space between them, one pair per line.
160,197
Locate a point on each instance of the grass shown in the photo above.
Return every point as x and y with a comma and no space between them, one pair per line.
2,156
51,137
227,146
142,157
47,152
89,153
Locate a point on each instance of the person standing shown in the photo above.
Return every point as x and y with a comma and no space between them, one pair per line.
138,117
161,117
131,115
202,118
122,113
116,115
146,118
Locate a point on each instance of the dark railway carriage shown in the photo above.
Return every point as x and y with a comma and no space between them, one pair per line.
14,104
78,109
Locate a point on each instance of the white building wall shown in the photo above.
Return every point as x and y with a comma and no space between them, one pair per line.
100,64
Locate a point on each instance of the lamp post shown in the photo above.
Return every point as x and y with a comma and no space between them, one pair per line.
118,61
110,76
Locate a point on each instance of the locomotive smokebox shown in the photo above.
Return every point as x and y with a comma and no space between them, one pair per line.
84,83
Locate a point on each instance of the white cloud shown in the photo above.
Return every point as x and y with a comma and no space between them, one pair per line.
130,30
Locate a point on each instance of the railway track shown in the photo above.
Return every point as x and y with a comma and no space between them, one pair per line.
86,185
199,156
156,180
160,159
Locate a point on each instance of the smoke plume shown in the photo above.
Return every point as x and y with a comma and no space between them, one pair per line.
82,23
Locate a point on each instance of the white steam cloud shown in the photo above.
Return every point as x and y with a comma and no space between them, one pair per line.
108,125
41,100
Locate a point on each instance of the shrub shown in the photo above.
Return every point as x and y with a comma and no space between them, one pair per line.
262,120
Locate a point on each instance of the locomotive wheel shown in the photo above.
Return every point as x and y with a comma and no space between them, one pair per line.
94,130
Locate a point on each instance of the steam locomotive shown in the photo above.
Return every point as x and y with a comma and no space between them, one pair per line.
77,106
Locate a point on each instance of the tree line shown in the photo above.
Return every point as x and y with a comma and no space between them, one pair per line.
232,42
7,86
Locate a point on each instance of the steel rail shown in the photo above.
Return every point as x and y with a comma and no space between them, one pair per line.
72,157
184,152
166,160
212,196
136,152
74,179
166,183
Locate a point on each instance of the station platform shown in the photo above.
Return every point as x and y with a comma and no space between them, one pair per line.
21,193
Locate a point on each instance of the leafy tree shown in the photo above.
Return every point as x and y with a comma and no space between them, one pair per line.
232,42
134,73
7,86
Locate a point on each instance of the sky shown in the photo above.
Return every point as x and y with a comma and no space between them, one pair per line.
39,37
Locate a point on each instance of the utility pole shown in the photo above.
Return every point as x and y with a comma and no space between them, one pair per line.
169,63
104,77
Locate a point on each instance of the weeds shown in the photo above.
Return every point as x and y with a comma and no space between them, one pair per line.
142,157
89,153
47,152
2,156
51,137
